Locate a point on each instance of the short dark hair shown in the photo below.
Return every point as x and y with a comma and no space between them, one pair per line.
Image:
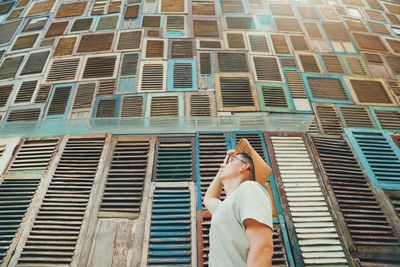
248,159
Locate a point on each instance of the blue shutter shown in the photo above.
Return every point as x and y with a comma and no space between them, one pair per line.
379,156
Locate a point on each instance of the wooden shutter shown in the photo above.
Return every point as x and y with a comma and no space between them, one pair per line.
280,44
200,105
153,78
174,160
24,114
167,105
266,69
356,116
203,237
57,226
132,12
307,12
175,23
95,42
370,91
10,66
232,62
100,67
312,30
170,225
151,21
25,92
5,92
332,64
327,118
83,24
394,44
129,64
205,63
35,63
154,48
282,9
369,42
203,8
258,43
336,31
205,28
356,65
287,24
84,96
65,46
299,43
129,40
211,147
123,190
63,69
182,75
356,25
297,90
235,93
274,97
107,107
42,94
181,49
71,10
8,30
394,63
394,197
172,6
41,7
235,40
359,207
232,6
388,119
56,29
60,100
378,155
108,22
25,41
328,88
309,63
132,106
312,222
240,23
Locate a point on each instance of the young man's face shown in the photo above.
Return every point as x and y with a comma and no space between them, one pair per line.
231,168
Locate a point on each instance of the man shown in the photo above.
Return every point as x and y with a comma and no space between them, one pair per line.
241,225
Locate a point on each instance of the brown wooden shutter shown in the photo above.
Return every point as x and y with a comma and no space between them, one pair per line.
182,75
132,106
107,23
172,6
388,119
287,25
258,43
84,96
281,9
99,67
65,46
26,91
129,40
295,83
181,49
203,237
42,94
369,42
356,116
232,62
56,29
309,63
307,12
106,87
155,48
327,88
312,30
5,91
26,114
280,44
8,30
267,69
240,23
232,6
153,77
129,64
106,108
200,105
370,91
356,65
274,96
327,118
41,7
95,42
332,64
25,41
63,69
59,101
205,28
203,8
71,10
235,93
164,106
299,43
132,12
175,22
205,63
235,40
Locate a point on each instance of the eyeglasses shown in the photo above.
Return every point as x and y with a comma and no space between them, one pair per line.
229,160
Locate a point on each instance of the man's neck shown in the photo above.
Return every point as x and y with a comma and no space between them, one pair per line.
230,186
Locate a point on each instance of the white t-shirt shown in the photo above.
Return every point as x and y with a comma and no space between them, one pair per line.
229,245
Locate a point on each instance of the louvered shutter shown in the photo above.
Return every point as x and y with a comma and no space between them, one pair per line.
258,43
267,69
203,8
8,30
171,226
235,40
232,62
211,148
10,66
83,100
369,42
63,69
165,105
95,42
356,66
205,28
129,40
297,90
107,22
309,63
181,49
327,118
132,106
107,106
235,93
129,64
205,63
387,118
71,10
25,42
330,88
80,25
100,67
152,76
25,92
394,197
312,225
360,208
182,75
280,44
356,116
203,237
60,101
5,92
56,29
65,46
332,64
57,225
200,105
240,23
370,91
24,114
274,97
299,43
154,48
174,160
35,63
378,155
122,195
